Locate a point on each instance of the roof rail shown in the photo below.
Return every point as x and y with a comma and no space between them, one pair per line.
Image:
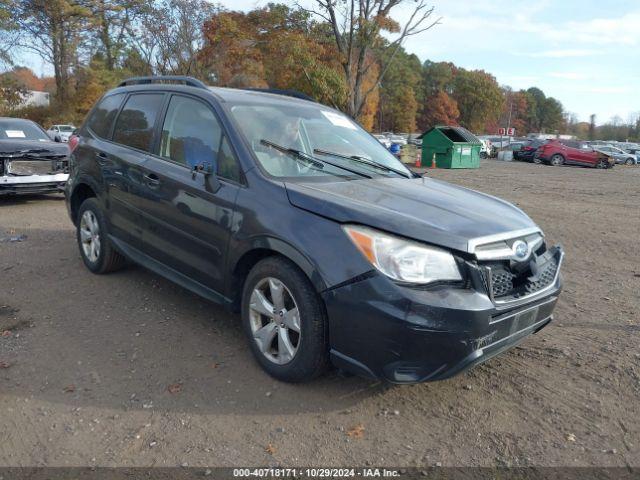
278,91
190,81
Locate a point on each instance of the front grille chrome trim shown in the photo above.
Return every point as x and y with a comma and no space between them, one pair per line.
474,243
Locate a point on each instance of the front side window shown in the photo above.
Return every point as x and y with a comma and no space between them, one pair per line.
191,133
105,113
134,127
314,131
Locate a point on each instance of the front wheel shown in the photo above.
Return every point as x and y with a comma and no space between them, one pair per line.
557,160
537,160
630,161
285,321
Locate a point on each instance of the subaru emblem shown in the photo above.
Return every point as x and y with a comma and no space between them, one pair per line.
520,249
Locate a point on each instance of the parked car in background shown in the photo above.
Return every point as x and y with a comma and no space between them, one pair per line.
60,133
572,152
634,151
383,140
620,155
398,139
30,162
291,213
527,150
485,149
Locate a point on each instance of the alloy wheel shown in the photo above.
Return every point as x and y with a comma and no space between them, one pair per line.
90,236
275,320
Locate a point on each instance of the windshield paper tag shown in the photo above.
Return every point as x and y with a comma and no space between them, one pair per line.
15,134
339,120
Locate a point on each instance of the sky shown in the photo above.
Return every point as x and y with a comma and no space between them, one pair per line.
585,53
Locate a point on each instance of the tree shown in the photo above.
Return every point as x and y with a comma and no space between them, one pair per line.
11,94
439,109
112,20
356,27
275,46
169,36
479,98
552,115
401,94
53,29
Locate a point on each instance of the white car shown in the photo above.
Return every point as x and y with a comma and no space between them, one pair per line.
399,139
60,133
383,140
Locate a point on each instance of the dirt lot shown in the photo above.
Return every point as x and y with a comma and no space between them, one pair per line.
89,359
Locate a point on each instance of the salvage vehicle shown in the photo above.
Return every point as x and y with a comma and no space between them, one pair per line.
29,161
527,150
618,154
289,212
571,152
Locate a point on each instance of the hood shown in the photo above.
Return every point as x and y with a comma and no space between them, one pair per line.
423,209
14,145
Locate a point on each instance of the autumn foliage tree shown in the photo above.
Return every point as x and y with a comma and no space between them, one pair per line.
439,109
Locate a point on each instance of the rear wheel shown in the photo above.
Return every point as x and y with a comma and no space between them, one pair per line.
285,321
630,161
556,160
96,249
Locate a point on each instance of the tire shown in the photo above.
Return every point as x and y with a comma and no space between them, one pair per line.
537,160
92,230
483,155
630,162
282,352
556,160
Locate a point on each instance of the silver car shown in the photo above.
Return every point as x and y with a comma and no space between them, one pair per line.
620,155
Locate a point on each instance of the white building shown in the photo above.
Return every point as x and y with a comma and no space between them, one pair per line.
34,98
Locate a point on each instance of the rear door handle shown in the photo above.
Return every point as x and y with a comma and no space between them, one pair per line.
152,180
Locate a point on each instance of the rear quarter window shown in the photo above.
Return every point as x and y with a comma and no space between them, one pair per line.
105,113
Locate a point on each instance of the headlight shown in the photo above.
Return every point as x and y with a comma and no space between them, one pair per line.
403,260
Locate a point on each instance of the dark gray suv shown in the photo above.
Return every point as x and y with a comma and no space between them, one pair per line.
289,212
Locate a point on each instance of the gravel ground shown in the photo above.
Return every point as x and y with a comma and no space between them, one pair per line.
129,369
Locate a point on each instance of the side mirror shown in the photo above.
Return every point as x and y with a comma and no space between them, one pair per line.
211,182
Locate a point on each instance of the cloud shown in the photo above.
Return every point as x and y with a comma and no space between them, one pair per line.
569,75
566,53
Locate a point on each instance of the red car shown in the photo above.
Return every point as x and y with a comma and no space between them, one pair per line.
571,152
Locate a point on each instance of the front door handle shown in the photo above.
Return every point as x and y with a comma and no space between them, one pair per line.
152,180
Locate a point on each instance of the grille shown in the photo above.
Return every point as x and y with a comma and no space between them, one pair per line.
30,167
511,280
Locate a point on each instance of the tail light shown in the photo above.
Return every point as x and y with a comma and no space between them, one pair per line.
73,142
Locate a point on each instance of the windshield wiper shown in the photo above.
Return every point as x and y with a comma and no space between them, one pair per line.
362,160
299,155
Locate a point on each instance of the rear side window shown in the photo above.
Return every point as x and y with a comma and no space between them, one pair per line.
104,115
136,121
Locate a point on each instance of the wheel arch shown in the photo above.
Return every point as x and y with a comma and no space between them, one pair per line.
259,249
81,191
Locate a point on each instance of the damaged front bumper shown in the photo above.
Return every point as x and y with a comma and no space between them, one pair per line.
33,176
401,334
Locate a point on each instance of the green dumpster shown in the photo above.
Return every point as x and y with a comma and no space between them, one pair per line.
454,147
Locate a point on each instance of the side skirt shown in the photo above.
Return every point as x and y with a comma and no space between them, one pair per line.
169,273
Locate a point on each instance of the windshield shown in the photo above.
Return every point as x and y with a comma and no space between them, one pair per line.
309,129
16,129
65,128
